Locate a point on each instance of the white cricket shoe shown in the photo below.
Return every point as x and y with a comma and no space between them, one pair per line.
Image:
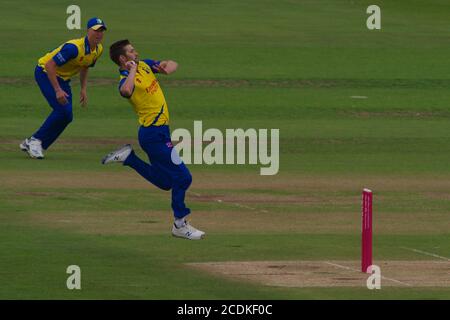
120,155
187,231
33,147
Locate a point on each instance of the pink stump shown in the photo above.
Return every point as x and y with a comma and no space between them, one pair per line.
366,244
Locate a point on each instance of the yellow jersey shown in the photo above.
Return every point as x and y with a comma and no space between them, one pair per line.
147,98
71,56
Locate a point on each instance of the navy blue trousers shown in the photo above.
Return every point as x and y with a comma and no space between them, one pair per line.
61,115
161,171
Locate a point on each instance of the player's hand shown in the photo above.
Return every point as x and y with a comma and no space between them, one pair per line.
83,98
161,67
130,65
167,67
62,96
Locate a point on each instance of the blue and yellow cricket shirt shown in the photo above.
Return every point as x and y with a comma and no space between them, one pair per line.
71,56
147,98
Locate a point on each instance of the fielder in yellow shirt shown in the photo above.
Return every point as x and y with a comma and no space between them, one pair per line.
139,85
53,74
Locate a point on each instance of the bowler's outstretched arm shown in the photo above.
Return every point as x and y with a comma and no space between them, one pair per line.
167,67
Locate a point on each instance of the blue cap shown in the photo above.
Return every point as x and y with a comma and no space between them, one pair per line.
96,23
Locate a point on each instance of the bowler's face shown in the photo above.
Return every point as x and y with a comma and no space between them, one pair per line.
131,53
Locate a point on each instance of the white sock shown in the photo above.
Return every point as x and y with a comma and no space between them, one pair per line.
180,222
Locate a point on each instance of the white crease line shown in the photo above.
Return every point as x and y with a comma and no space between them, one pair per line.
242,206
427,253
382,277
233,203
358,97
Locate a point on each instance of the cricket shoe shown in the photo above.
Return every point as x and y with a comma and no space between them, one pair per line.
33,147
120,155
188,232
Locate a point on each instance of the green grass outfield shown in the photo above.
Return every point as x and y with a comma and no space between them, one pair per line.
292,65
